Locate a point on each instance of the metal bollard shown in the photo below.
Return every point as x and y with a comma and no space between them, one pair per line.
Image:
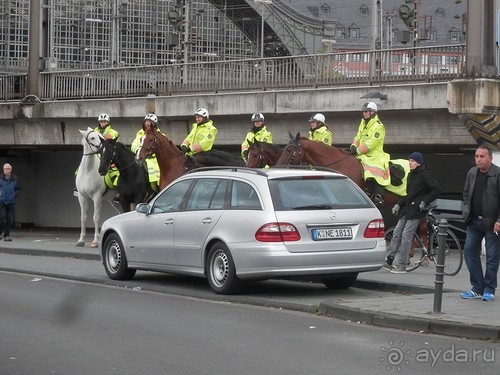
439,281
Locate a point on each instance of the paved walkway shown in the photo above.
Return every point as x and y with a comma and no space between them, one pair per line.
403,301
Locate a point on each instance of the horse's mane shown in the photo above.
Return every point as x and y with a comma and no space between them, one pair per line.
273,147
217,157
324,145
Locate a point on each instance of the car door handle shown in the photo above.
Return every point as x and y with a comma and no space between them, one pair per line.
207,220
169,221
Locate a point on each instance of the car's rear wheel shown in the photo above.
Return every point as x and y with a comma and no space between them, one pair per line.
342,282
115,260
220,270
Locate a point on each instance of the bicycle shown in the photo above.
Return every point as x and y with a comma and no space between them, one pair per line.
453,251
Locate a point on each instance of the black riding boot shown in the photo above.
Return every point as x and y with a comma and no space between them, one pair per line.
375,192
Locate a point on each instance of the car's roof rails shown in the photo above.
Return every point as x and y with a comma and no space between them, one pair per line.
227,167
306,167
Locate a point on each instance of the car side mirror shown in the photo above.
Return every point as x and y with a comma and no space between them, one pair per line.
142,208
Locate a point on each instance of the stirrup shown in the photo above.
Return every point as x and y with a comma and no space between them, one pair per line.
378,200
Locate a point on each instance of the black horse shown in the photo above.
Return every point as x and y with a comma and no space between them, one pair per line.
133,184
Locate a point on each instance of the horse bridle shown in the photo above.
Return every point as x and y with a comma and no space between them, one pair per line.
293,155
153,145
299,152
92,146
113,155
261,159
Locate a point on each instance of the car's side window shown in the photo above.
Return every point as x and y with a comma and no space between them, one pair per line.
208,193
244,196
171,199
219,196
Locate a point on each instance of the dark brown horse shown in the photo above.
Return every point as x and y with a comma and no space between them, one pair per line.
301,150
173,163
261,154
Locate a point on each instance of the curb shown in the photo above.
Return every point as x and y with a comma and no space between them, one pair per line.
416,324
50,253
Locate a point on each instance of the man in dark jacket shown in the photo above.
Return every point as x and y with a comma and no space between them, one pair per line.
421,190
9,189
481,211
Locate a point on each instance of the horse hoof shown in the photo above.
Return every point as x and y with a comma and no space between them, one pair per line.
94,244
80,244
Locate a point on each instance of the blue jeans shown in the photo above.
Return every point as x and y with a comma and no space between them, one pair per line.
401,239
486,283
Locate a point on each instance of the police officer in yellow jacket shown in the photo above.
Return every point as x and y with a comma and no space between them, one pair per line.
202,134
319,131
368,146
150,122
258,132
105,128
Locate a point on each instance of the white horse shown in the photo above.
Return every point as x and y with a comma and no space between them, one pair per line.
90,184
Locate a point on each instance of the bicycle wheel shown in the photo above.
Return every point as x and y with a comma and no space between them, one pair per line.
416,251
454,256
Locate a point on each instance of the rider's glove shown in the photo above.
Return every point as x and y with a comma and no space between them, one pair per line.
395,209
422,206
353,149
184,149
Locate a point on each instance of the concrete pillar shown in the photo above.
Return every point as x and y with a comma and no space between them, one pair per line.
34,49
480,39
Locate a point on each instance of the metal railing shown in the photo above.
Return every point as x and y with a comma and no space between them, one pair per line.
418,64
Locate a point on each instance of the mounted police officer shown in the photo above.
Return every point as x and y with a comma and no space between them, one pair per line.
202,134
368,146
319,131
104,127
258,132
150,123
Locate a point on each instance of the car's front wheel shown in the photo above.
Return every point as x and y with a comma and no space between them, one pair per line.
220,270
341,282
115,260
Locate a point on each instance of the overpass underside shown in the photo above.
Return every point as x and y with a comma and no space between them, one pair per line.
414,114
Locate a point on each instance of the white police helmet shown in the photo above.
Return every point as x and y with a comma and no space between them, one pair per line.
202,112
318,117
370,106
152,117
257,117
103,117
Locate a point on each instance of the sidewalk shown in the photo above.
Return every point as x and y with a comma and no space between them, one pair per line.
404,301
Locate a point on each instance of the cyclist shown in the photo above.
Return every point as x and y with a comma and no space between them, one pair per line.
422,188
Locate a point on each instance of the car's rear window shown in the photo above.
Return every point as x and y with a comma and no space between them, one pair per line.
316,193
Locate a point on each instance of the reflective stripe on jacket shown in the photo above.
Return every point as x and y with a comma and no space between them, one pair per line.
201,137
370,147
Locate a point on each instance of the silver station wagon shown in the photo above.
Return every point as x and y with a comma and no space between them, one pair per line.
233,224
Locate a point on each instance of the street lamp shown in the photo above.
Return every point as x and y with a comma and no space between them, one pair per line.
263,2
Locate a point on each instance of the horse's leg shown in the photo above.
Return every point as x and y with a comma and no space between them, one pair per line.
84,207
97,218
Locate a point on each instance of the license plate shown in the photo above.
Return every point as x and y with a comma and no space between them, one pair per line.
331,234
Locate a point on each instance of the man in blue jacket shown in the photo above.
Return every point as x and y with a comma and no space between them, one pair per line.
9,189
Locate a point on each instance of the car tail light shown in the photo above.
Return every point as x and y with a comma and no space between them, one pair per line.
375,229
277,232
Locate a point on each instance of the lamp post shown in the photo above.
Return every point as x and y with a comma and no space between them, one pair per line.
263,2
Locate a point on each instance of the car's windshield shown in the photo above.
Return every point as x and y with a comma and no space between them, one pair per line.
316,194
